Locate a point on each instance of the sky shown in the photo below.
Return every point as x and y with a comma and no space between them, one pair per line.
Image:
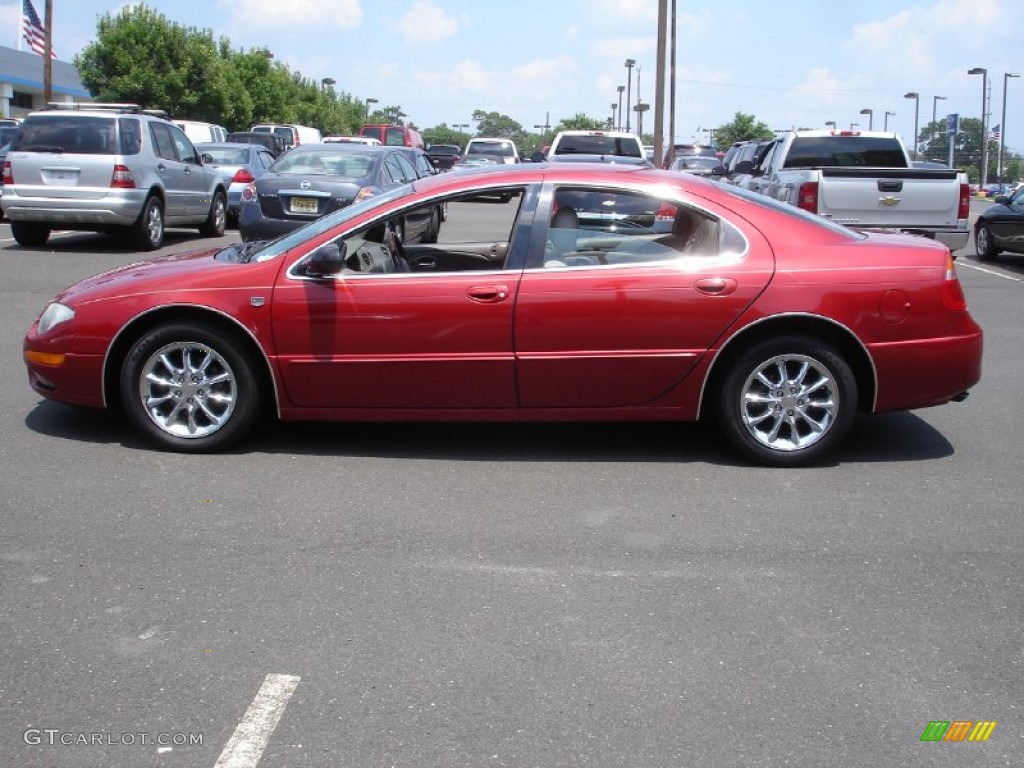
798,63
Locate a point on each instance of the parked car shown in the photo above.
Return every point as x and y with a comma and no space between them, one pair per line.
352,140
698,166
393,135
269,141
238,165
775,324
444,156
316,179
503,150
7,134
291,134
108,168
618,143
687,148
1000,227
201,133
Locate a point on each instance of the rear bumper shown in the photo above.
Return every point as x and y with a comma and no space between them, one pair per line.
111,210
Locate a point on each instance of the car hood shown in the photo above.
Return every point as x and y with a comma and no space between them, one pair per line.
180,272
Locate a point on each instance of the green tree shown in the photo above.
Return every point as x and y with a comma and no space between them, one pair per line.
581,122
140,56
743,127
497,125
443,134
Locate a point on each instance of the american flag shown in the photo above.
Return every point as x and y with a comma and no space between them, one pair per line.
32,29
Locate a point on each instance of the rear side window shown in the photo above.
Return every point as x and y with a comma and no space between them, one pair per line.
131,135
162,144
65,133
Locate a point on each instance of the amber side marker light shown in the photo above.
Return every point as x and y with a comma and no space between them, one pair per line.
44,358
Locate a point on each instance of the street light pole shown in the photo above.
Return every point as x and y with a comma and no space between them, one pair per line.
935,102
917,103
611,127
1002,129
620,89
984,126
885,123
832,123
871,118
630,63
368,103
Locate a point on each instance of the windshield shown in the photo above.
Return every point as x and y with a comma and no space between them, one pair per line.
302,234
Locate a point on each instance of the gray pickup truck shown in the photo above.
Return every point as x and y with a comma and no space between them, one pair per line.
865,180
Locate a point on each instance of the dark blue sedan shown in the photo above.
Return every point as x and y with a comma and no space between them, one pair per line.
1000,227
238,165
313,180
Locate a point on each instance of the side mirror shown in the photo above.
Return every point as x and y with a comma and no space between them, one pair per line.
1002,199
207,158
326,261
744,166
537,157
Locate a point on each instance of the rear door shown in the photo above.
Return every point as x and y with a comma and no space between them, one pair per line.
62,155
617,313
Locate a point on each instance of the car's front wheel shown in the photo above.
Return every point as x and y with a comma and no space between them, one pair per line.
190,387
29,233
787,401
983,245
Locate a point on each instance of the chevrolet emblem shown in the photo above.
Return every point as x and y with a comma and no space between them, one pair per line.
889,200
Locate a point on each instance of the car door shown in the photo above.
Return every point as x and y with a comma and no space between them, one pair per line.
1006,222
617,312
182,186
438,340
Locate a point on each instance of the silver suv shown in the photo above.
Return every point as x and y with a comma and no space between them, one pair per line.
108,168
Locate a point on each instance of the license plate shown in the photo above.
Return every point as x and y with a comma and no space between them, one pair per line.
304,205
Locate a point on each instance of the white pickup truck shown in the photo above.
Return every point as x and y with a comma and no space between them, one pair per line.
865,180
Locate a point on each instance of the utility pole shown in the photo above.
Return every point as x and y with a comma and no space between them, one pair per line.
659,86
47,51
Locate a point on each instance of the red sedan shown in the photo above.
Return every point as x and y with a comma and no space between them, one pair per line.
577,292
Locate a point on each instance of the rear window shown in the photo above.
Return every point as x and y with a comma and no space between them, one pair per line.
845,151
227,156
491,148
7,133
394,137
598,145
81,135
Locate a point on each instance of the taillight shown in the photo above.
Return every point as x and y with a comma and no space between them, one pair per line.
807,196
963,211
8,173
122,178
242,176
665,212
249,193
952,292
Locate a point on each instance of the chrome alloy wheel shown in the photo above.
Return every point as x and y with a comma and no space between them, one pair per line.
789,402
187,389
154,224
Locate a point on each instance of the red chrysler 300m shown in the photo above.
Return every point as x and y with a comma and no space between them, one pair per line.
576,292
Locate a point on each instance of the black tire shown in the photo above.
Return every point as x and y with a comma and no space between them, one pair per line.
30,233
985,249
433,229
216,220
148,230
792,425
207,411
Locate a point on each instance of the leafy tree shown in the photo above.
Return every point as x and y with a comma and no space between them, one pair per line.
742,128
497,125
442,134
140,56
581,122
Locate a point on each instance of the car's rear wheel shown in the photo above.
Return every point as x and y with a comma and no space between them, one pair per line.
190,387
983,245
787,401
216,220
30,233
148,230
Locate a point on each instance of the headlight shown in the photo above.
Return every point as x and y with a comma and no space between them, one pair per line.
55,314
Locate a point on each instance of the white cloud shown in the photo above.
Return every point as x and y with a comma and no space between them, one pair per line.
342,14
425,22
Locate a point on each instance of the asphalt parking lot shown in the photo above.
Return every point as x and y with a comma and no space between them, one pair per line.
514,595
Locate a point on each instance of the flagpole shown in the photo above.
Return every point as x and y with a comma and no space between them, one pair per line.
47,54
21,25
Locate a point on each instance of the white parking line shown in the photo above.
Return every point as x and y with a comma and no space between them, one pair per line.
990,272
245,747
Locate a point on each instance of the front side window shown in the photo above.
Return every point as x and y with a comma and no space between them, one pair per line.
182,146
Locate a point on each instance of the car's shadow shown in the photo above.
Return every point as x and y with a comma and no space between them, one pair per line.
891,437
100,243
